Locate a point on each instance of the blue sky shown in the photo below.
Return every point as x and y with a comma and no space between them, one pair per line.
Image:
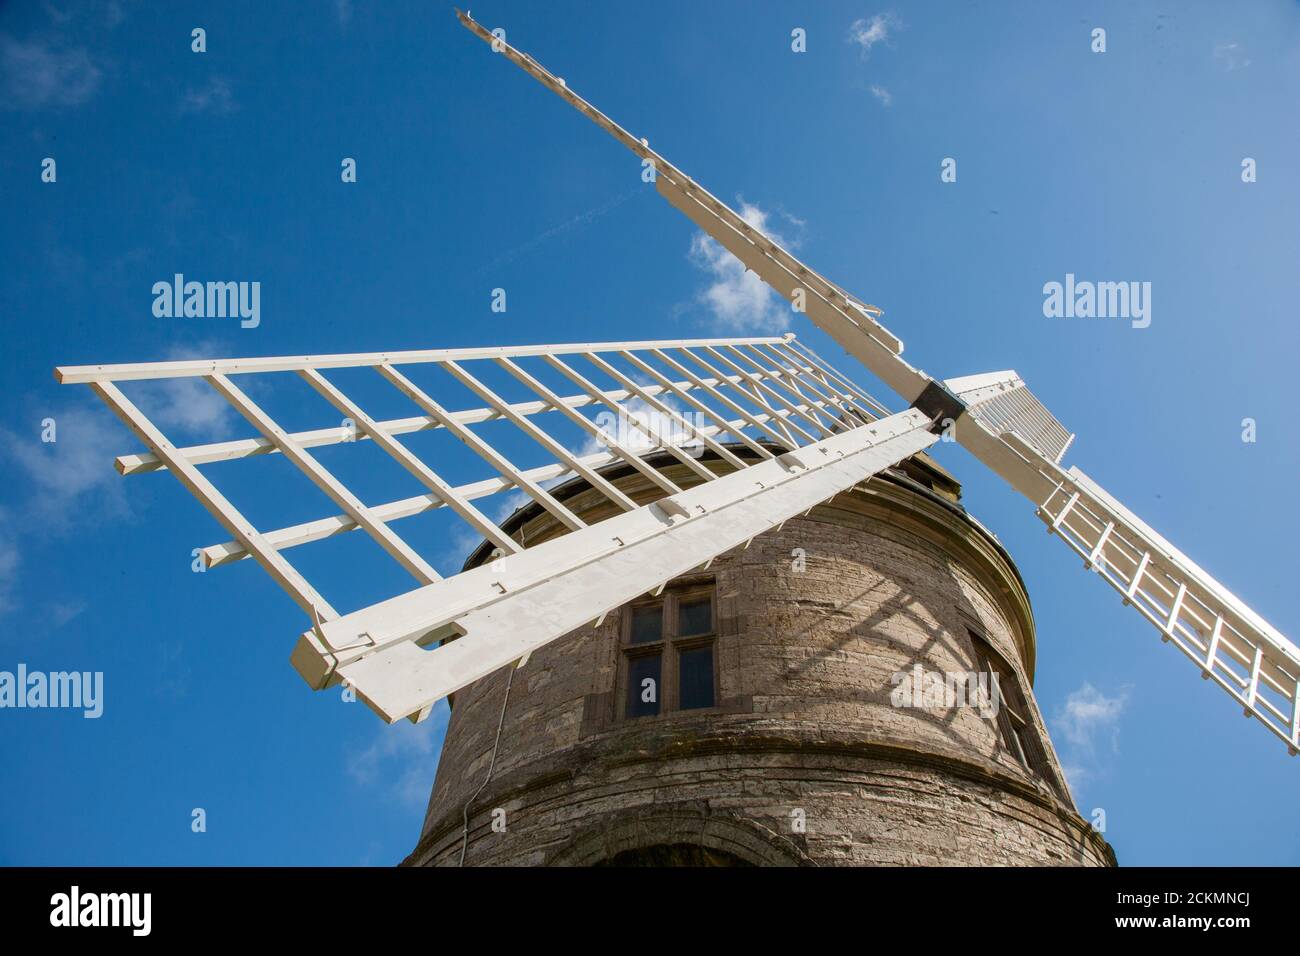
1116,166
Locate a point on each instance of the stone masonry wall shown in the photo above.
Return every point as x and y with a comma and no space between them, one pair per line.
803,720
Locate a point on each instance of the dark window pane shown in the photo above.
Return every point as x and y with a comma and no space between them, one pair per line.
647,624
644,686
695,673
695,617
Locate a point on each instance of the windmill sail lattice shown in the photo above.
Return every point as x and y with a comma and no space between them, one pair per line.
764,429
996,418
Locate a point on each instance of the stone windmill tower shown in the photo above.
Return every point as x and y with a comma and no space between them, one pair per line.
786,729
744,620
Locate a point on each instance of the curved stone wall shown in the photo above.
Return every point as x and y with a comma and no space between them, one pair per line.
805,759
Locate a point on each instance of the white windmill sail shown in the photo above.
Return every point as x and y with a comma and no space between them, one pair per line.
996,418
762,430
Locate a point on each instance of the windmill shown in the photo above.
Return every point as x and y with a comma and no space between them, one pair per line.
783,429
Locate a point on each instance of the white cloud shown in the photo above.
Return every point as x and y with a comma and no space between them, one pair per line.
213,97
1089,716
1086,725
739,300
36,76
72,479
401,757
879,92
343,9
69,483
867,32
186,404
1231,56
79,465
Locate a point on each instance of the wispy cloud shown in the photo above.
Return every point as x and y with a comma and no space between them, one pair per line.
187,404
343,10
1231,56
739,300
867,32
63,474
1087,728
1090,716
69,483
400,758
36,75
879,92
215,97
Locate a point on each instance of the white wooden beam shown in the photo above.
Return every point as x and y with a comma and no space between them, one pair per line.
606,439
408,460
505,611
624,415
726,400
320,476
507,411
321,528
500,462
685,396
283,573
84,374
133,464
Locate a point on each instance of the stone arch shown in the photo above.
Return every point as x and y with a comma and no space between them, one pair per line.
661,855
727,834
